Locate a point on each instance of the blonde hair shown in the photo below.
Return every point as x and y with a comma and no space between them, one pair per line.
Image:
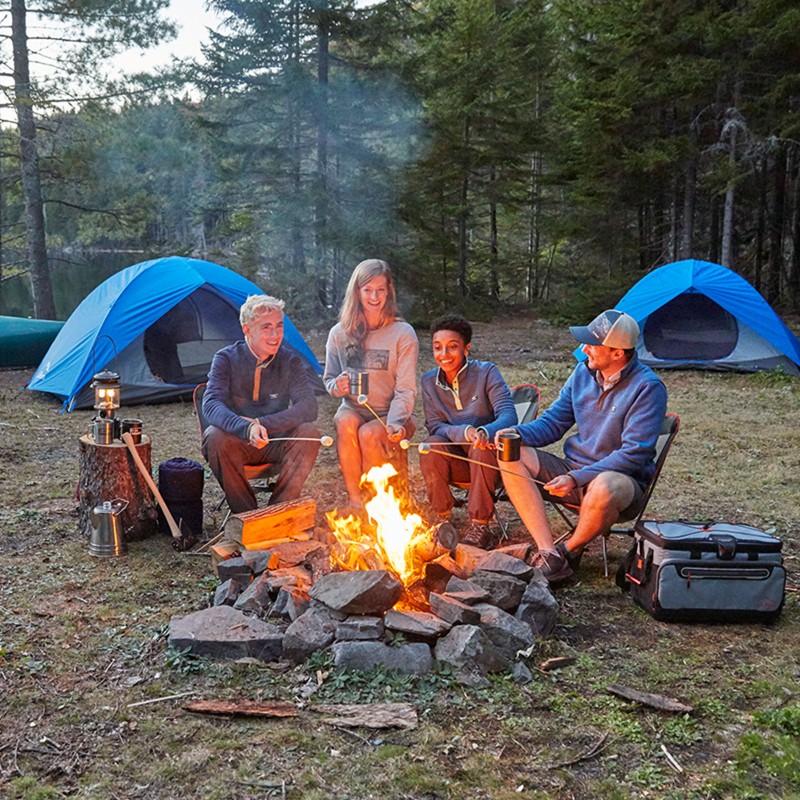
351,315
258,304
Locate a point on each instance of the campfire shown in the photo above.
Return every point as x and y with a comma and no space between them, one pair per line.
389,538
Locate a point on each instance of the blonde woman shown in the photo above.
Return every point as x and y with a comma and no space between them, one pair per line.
370,337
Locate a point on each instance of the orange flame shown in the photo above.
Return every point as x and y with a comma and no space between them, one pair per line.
389,541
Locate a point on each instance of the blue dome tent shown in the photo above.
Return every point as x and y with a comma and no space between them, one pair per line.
158,324
698,315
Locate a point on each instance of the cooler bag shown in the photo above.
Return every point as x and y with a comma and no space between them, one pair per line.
704,572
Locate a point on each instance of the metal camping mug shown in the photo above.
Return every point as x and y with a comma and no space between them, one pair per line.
103,430
107,538
359,383
509,446
134,428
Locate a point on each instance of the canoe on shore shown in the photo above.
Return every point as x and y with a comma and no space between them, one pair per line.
24,342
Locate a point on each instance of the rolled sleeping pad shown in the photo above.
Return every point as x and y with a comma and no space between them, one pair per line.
180,481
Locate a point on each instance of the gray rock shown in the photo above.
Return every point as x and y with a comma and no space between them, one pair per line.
227,592
508,634
453,611
466,591
291,602
234,568
505,591
419,624
538,608
495,561
361,592
257,560
295,554
469,650
225,633
521,674
412,659
256,598
310,632
287,576
360,629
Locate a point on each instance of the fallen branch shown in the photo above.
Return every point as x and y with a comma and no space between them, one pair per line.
658,701
374,715
246,708
592,752
559,662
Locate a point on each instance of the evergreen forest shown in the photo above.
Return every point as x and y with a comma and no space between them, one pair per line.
498,153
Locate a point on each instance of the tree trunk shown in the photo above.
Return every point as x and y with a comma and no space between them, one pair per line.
793,275
321,204
43,304
463,214
687,228
776,224
108,472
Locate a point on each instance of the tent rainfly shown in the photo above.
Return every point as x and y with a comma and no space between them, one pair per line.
158,324
698,315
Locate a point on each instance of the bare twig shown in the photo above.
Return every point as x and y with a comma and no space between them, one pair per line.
159,699
671,760
593,751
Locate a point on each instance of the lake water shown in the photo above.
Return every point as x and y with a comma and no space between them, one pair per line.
72,281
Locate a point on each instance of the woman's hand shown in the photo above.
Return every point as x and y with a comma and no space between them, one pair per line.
342,385
395,433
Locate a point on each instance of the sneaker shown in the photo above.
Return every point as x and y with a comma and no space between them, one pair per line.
573,559
553,565
477,534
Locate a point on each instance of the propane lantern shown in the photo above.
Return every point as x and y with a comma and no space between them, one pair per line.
106,387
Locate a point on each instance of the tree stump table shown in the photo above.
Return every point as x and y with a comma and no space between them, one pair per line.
108,472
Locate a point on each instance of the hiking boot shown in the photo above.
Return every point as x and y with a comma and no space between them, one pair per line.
477,534
573,558
553,565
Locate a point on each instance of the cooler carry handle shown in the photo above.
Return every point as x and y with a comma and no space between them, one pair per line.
726,545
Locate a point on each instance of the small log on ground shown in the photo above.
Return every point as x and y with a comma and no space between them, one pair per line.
246,708
659,701
283,521
108,472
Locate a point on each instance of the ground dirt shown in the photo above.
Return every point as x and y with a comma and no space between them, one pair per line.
82,640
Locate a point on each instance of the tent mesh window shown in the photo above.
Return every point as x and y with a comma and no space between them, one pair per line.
180,345
690,327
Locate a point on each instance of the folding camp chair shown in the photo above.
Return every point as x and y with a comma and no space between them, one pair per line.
526,397
569,511
258,475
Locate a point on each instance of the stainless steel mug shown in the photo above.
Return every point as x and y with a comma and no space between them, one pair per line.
103,430
359,383
509,446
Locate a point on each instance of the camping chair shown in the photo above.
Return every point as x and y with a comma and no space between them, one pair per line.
569,511
526,397
258,475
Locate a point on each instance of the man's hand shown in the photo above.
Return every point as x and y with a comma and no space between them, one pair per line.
257,434
500,433
561,485
395,433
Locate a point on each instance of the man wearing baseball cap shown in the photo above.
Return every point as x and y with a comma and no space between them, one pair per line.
617,406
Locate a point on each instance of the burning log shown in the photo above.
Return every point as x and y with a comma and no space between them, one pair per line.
261,527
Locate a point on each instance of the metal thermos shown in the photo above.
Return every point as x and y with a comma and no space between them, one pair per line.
509,446
359,383
107,537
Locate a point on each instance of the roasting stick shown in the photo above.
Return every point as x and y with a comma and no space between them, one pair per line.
362,401
325,441
426,448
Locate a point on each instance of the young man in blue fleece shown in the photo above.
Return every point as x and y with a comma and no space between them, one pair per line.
258,391
464,402
617,405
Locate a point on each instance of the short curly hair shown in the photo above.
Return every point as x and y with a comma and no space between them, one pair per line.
453,322
258,304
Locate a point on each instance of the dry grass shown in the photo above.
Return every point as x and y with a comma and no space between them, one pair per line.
80,639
